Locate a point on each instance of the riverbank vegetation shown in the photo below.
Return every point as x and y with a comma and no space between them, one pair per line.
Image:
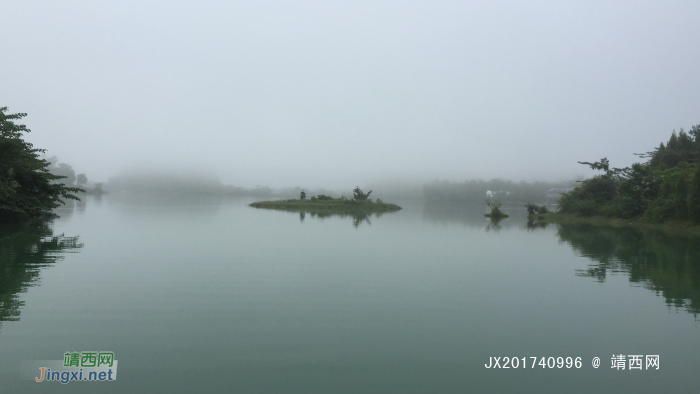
27,187
663,190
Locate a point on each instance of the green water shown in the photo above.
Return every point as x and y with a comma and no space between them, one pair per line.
207,295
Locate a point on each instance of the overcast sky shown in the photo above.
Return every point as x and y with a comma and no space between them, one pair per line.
334,94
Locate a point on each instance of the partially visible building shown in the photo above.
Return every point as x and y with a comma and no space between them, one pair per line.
496,193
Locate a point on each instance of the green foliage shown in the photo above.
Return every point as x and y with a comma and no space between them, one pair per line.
27,188
496,212
680,147
533,209
637,188
359,195
328,206
664,188
589,196
694,197
676,194
302,195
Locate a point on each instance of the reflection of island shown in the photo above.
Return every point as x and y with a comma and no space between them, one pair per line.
25,249
471,215
360,211
494,225
664,264
357,218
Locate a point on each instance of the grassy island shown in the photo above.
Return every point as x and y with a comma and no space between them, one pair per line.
496,213
328,205
360,205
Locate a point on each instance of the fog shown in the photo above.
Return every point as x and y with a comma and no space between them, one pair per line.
338,94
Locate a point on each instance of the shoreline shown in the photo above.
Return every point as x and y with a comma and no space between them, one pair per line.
676,228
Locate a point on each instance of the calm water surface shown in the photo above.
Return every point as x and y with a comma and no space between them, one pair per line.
207,295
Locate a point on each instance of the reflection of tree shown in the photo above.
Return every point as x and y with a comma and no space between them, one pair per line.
665,264
494,225
25,249
470,215
358,219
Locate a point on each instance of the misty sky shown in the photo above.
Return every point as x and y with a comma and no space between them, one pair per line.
334,94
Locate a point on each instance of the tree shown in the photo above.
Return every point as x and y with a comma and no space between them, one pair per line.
82,179
302,196
65,171
694,198
680,147
680,198
27,188
359,195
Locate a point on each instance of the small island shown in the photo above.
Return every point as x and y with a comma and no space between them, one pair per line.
322,204
496,213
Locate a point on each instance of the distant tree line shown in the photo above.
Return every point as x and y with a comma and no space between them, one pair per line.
172,182
665,187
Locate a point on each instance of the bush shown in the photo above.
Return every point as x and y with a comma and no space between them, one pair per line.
359,195
533,209
496,212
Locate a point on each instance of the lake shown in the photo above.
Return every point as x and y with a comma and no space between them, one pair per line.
199,294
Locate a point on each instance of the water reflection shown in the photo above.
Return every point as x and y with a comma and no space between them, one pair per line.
667,265
25,249
472,215
357,218
168,204
494,225
533,225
